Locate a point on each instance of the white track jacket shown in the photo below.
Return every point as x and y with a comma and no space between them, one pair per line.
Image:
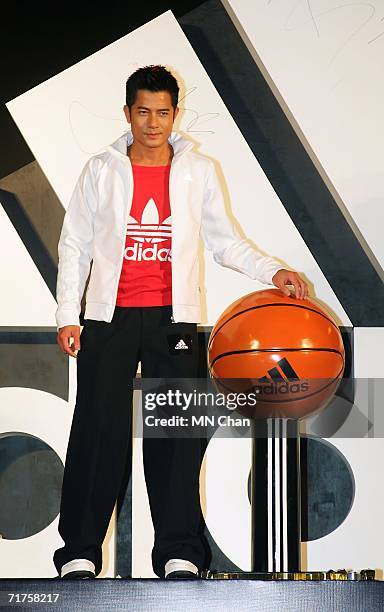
95,225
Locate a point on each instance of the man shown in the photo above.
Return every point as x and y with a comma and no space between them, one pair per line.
141,199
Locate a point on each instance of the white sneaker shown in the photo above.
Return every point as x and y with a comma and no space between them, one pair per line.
78,569
181,569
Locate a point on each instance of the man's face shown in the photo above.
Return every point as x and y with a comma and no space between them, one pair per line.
151,117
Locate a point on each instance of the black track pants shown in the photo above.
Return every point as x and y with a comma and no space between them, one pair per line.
100,439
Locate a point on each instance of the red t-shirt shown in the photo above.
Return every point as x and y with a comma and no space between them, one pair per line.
146,274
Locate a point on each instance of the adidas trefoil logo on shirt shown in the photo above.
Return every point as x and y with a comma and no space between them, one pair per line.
147,234
181,345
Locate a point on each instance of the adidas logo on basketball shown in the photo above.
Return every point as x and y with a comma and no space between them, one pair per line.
281,379
147,235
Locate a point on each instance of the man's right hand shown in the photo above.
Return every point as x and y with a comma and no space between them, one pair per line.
68,339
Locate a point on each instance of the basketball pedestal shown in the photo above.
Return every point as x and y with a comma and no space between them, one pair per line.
275,502
275,496
275,492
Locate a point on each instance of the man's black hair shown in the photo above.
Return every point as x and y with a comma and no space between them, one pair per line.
151,78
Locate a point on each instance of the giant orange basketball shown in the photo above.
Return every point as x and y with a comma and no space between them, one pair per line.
288,351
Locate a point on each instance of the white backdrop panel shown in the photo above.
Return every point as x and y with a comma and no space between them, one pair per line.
325,58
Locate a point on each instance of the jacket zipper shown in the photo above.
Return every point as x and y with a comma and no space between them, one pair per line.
129,205
170,205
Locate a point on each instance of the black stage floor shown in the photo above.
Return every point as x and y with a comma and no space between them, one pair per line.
189,596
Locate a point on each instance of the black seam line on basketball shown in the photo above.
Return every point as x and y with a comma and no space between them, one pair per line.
265,306
273,350
296,399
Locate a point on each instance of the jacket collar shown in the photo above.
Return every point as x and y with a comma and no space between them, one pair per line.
179,144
